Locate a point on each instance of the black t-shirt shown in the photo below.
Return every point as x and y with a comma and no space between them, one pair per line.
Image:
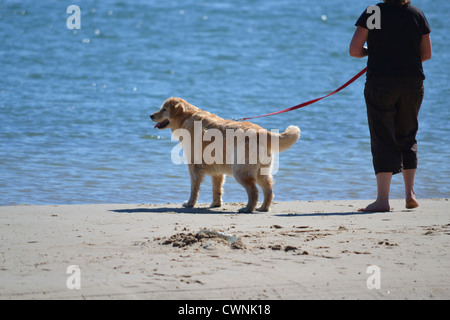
394,50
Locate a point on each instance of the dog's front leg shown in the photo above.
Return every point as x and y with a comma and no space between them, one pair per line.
217,182
197,176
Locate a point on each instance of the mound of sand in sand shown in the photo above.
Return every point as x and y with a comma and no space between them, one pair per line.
205,239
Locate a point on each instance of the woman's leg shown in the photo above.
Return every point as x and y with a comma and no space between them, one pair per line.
383,187
406,129
408,177
381,98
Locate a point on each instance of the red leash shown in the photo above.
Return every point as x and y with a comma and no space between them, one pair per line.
304,104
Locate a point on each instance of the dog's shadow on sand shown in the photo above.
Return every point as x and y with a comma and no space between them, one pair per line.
184,210
208,210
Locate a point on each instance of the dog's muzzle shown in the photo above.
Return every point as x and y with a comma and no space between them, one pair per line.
160,125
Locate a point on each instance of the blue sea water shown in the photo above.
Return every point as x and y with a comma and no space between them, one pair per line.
75,104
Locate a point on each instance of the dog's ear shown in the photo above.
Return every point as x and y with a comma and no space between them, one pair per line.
176,110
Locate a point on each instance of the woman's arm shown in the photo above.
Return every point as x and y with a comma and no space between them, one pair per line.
357,48
425,47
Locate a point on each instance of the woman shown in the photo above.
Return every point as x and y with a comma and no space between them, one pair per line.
397,45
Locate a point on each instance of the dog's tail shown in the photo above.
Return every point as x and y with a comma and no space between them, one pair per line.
286,139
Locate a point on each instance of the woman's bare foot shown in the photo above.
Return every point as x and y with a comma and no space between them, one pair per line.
411,204
382,202
376,207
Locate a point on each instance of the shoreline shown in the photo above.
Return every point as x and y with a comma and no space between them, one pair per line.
298,250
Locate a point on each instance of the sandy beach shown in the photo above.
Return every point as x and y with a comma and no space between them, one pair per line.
298,250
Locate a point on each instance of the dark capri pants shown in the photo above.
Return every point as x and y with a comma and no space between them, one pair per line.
392,110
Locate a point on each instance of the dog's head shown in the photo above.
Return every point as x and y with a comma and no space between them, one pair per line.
170,111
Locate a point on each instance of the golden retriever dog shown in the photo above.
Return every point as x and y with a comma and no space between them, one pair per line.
218,147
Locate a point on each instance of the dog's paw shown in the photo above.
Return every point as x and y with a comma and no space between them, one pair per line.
215,205
262,209
245,210
187,204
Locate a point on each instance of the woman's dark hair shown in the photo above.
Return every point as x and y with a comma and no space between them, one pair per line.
397,2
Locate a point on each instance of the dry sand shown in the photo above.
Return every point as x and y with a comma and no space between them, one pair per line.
299,250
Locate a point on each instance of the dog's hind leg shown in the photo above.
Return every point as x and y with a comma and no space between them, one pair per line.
266,184
197,176
248,181
217,182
